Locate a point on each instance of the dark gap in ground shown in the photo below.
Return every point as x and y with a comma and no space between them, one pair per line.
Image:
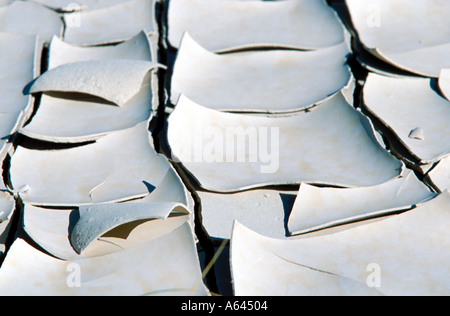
157,122
204,239
288,201
425,178
6,164
14,226
434,84
34,144
158,127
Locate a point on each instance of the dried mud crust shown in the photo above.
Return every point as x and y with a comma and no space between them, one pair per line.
259,212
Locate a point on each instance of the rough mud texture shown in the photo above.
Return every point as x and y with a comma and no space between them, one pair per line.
234,182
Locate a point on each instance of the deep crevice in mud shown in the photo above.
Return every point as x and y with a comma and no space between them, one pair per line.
13,229
157,122
36,144
6,163
205,241
425,178
159,131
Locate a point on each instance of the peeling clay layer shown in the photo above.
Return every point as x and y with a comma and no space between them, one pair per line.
380,25
139,47
408,105
122,225
142,270
95,27
163,210
116,81
318,208
62,120
327,148
66,118
289,24
120,166
73,109
409,247
96,220
259,81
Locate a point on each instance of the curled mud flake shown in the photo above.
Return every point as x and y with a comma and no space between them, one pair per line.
74,172
365,259
167,265
231,152
317,208
111,24
417,133
413,112
384,29
270,81
294,24
117,81
140,47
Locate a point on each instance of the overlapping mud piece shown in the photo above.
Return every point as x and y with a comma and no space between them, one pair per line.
167,265
98,229
116,81
259,81
318,208
120,166
86,100
222,25
331,144
414,38
140,47
368,259
416,113
111,24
